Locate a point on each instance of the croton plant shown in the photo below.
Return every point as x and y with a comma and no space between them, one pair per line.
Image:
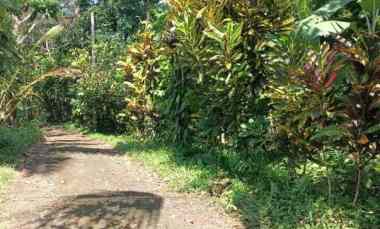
350,118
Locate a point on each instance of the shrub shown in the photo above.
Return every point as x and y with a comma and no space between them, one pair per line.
14,141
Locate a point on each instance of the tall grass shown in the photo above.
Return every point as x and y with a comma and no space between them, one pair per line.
13,142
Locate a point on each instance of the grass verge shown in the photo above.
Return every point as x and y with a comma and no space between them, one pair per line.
264,197
13,142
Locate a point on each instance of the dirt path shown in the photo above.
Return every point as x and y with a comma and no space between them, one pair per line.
70,181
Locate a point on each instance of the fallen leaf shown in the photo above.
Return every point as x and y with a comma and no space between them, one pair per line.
363,140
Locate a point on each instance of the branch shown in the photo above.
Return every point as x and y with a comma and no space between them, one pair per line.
21,39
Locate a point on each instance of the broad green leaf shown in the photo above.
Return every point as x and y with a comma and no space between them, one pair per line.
317,24
215,34
304,8
377,166
330,132
331,27
52,33
330,8
370,5
314,27
373,129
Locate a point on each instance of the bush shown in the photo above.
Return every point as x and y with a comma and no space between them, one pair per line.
99,95
98,103
13,141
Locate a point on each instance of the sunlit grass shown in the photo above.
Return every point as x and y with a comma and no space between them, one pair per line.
6,174
13,142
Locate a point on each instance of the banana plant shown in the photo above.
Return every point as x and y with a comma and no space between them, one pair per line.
319,23
12,94
371,10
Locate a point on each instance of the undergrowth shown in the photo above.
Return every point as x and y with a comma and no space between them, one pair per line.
13,142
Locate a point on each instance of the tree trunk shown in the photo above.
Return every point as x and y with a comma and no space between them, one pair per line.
147,9
93,50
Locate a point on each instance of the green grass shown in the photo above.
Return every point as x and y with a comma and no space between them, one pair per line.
264,196
6,174
13,142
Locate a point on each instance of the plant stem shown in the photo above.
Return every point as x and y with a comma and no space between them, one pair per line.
357,188
329,184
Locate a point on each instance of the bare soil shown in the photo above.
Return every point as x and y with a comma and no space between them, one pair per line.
70,181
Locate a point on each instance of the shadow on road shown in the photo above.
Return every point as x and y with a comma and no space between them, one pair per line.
127,210
56,152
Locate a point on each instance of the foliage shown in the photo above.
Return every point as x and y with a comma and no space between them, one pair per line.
316,24
56,96
99,102
223,55
331,99
13,142
115,20
87,100
141,75
7,39
99,96
217,64
13,92
22,75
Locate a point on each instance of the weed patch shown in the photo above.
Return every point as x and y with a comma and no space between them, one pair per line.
13,142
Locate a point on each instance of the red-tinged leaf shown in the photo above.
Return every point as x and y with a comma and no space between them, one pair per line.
331,80
331,56
315,86
376,65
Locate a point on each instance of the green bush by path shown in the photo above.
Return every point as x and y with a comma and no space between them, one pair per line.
13,142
